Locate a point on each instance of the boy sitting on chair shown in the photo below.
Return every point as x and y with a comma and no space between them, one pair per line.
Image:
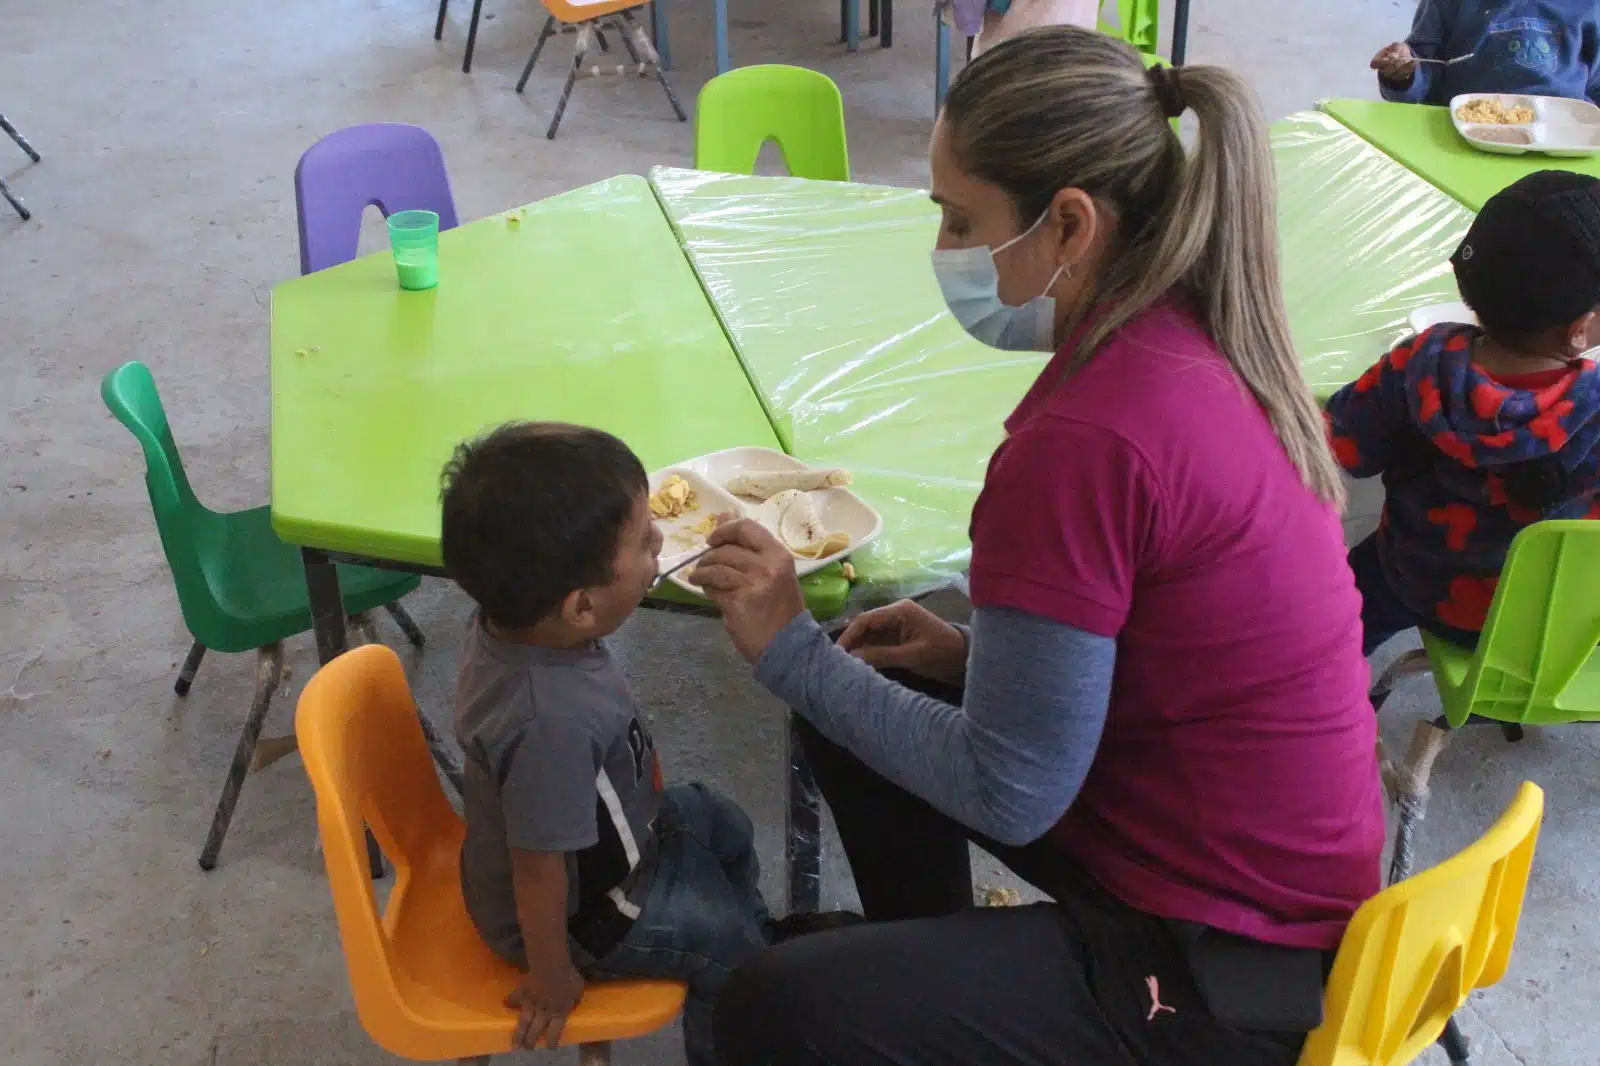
1538,47
1479,432
577,862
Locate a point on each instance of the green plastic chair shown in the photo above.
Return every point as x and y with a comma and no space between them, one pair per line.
1140,24
1536,662
740,111
239,586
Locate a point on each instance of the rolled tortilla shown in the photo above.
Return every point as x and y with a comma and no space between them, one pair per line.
765,484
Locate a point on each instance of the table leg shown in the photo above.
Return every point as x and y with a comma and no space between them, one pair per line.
852,25
802,829
472,37
658,34
327,604
723,63
872,18
886,36
328,625
1180,31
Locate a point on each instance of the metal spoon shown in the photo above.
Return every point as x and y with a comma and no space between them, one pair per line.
695,558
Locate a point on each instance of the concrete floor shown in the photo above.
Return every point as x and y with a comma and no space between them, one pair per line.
164,214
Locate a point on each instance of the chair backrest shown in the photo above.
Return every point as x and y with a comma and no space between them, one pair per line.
800,109
389,165
369,766
1543,626
1140,24
130,392
1414,951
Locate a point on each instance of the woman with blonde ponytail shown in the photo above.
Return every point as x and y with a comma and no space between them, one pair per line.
1158,716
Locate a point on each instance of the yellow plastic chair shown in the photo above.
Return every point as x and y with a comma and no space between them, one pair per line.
426,986
591,19
740,111
1416,950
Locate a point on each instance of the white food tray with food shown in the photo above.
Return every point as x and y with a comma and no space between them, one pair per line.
1428,317
1510,124
808,508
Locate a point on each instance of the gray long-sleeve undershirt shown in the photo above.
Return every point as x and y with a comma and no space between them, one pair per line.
1008,762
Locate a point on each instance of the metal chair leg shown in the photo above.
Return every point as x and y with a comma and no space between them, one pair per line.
1404,666
594,1054
190,666
1411,787
269,671
22,142
1455,1044
644,52
886,36
538,46
472,37
407,624
438,26
580,51
627,41
872,18
16,204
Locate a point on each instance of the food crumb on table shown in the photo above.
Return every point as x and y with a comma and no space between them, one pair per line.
999,897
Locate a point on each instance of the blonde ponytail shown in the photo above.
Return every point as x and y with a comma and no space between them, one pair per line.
1061,107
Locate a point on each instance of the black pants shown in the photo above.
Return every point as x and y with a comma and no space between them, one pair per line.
1382,614
936,981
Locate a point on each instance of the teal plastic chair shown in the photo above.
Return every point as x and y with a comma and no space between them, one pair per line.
240,588
740,111
1536,663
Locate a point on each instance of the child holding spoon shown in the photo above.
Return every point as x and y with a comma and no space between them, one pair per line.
1534,47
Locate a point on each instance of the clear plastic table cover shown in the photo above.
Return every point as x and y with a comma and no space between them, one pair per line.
825,290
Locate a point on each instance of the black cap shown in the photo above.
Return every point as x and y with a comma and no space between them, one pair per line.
1531,261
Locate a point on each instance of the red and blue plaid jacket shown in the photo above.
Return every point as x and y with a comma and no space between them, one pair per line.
1467,462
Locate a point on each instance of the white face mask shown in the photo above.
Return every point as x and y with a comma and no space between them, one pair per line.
970,282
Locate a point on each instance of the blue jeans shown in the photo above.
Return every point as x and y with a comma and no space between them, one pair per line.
1382,614
704,914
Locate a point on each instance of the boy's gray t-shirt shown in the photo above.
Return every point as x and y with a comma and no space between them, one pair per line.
557,759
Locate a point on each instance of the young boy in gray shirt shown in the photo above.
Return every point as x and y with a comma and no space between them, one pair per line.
577,862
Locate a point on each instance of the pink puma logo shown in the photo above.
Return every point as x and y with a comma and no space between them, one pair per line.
1156,1006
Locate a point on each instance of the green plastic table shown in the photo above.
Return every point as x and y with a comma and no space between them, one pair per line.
1425,140
826,292
580,308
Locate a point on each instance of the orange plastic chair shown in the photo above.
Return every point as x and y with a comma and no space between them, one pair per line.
1416,950
592,18
426,986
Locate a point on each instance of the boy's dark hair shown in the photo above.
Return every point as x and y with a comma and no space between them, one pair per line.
534,510
1530,263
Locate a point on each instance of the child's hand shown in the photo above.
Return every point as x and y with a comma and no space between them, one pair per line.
1396,62
545,997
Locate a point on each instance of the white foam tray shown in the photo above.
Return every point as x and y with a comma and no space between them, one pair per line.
840,509
1560,127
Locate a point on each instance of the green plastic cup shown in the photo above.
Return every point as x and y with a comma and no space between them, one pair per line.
414,237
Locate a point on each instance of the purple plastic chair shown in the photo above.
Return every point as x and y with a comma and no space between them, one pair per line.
388,165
